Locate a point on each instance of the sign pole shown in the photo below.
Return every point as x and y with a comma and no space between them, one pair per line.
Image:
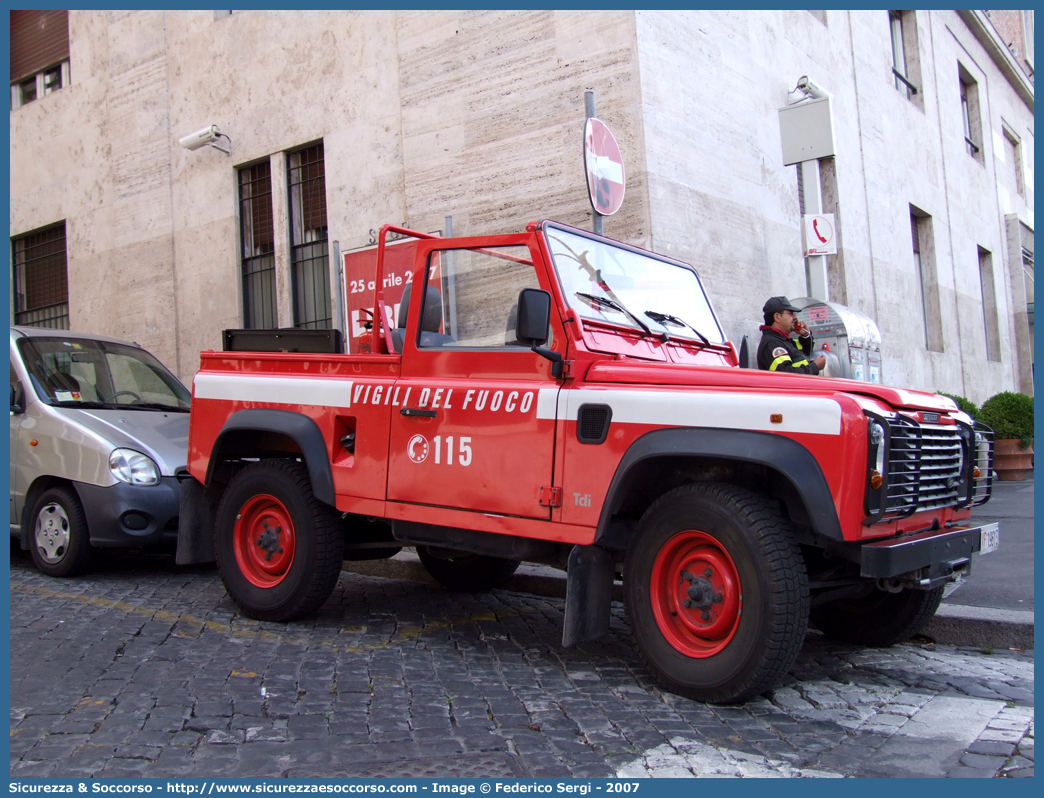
815,265
597,224
339,321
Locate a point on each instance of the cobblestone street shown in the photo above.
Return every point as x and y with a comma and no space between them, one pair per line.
142,668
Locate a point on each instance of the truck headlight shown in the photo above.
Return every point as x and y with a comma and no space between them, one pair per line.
876,459
133,467
982,454
877,441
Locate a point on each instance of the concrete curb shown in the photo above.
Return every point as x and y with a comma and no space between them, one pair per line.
954,624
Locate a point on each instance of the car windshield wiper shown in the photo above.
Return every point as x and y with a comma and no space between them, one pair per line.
610,303
152,406
85,405
667,318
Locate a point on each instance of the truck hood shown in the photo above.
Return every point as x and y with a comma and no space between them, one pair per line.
162,436
644,373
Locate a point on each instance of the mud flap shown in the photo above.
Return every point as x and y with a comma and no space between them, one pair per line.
589,593
195,524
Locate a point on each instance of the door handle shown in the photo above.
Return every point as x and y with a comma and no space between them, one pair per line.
416,411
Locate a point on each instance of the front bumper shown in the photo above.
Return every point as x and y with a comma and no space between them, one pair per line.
928,558
131,515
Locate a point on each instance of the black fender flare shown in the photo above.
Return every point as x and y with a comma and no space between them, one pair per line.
782,454
300,428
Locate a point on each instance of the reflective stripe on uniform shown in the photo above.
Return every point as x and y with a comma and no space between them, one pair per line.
799,364
778,361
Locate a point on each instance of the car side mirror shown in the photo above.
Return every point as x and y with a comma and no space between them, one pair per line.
534,316
16,400
532,323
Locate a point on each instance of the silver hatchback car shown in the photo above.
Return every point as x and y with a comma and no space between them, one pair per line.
99,432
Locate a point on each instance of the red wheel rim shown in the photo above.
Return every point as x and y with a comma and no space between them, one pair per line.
264,541
696,594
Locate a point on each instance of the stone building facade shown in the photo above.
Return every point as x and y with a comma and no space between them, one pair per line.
363,118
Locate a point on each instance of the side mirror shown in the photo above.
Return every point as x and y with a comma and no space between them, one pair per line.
16,400
534,316
532,323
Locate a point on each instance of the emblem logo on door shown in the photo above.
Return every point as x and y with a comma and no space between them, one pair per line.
417,448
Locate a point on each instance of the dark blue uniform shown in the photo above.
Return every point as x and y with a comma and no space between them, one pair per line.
778,352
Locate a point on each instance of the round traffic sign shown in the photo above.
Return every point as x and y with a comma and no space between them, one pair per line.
605,169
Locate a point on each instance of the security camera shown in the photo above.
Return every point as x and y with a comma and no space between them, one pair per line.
811,88
207,135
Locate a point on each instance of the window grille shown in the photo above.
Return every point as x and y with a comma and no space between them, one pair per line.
41,279
258,247
309,257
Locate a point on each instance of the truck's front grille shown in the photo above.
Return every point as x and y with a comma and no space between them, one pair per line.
924,468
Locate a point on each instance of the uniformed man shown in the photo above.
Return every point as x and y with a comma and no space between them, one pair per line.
778,351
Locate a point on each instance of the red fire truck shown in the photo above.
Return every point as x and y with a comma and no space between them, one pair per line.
558,397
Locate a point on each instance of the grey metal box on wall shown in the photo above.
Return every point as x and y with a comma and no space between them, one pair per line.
806,130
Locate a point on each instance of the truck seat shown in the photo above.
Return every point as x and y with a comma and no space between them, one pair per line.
430,324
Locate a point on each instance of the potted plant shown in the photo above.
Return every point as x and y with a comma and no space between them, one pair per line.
1010,415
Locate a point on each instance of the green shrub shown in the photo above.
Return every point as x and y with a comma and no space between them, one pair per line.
963,404
1010,415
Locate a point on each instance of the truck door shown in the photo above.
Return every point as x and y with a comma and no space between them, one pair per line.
475,426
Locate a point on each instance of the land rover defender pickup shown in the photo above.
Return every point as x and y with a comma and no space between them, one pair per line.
558,397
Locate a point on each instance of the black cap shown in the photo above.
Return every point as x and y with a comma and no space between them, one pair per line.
778,304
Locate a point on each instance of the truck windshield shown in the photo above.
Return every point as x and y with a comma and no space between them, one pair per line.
81,372
667,296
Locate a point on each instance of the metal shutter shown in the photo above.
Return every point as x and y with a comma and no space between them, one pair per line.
38,39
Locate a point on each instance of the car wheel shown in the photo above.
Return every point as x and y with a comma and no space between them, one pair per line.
60,541
279,549
878,619
465,572
717,592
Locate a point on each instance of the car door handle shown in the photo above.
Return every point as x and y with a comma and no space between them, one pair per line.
416,411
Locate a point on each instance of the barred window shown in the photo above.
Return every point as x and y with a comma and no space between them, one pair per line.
41,279
258,246
309,257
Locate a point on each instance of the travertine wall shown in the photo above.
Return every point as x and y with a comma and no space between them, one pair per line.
479,115
720,197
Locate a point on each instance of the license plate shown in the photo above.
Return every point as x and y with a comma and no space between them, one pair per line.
989,538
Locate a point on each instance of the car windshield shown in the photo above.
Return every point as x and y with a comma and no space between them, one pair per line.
642,290
81,372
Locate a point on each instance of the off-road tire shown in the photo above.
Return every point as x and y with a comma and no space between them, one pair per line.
879,619
277,495
58,516
752,632
466,573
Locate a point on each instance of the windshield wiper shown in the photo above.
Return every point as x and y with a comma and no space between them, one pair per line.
667,318
84,405
154,406
610,303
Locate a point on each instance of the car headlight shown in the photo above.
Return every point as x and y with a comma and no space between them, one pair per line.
133,467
